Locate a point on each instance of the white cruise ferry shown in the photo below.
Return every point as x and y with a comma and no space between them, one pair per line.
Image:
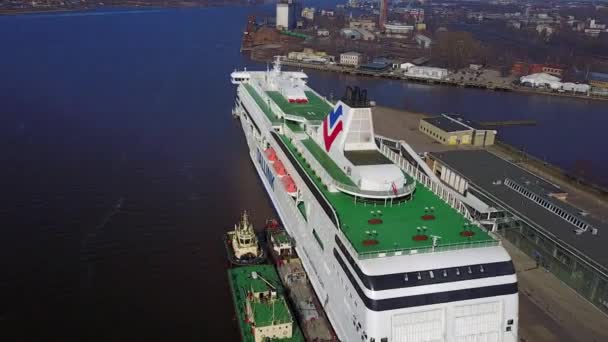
392,255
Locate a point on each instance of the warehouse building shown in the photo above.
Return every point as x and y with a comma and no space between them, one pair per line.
455,130
351,34
423,72
396,28
351,58
532,214
365,34
598,80
599,83
363,23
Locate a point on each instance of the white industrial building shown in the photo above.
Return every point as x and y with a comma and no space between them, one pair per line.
364,23
365,34
543,80
430,73
398,28
423,41
350,34
323,32
548,29
351,58
308,13
309,56
286,18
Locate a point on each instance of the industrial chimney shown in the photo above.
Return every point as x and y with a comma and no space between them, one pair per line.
383,13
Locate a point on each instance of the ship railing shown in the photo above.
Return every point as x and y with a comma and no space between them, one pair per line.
437,188
318,169
428,249
314,122
298,118
274,108
290,202
375,194
392,143
335,217
334,185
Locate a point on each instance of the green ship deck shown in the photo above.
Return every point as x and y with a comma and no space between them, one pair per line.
400,221
315,110
265,314
328,164
263,105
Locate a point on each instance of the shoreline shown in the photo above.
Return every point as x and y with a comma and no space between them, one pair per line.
449,83
126,5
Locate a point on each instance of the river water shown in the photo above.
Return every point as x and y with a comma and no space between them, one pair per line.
121,167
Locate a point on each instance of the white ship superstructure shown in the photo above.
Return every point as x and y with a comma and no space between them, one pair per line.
391,253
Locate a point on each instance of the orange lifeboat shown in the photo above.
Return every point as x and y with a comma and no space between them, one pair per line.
271,154
279,168
289,185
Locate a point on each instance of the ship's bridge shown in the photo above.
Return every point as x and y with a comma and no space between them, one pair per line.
239,77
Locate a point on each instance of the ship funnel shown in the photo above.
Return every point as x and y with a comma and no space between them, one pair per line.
356,97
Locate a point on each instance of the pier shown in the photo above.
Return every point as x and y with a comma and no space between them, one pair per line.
551,310
508,123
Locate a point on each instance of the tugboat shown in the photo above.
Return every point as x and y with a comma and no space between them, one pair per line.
242,244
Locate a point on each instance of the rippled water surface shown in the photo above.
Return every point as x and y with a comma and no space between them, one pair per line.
121,168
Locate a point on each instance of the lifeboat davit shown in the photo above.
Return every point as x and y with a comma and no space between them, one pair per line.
271,154
279,168
289,185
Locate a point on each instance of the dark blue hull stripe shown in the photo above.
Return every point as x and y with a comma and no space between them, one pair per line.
423,277
428,298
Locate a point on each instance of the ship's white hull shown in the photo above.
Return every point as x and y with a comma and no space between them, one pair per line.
344,297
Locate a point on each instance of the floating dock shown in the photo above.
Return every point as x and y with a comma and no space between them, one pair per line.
308,309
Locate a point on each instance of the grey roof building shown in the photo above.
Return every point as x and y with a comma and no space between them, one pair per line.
456,130
534,216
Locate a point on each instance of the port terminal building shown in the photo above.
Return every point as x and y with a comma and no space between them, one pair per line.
455,130
534,215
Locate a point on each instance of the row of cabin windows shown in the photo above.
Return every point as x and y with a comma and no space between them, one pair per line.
241,79
548,205
432,274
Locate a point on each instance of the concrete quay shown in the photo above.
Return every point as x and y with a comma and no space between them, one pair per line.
549,310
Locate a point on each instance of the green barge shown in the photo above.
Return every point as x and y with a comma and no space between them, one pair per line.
261,308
